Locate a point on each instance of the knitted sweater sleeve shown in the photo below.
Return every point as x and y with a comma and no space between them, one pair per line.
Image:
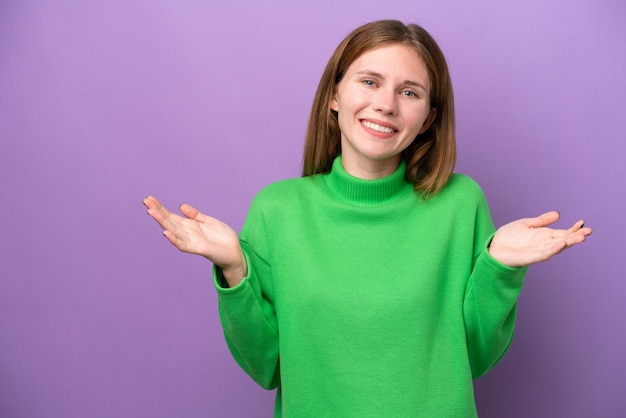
247,310
490,303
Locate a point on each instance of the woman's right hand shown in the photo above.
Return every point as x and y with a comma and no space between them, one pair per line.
196,233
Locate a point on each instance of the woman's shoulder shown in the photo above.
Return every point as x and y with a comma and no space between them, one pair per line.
463,181
288,186
287,190
462,186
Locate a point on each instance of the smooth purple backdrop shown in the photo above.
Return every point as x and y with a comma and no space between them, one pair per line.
102,103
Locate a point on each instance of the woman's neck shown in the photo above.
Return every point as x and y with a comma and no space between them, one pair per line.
371,169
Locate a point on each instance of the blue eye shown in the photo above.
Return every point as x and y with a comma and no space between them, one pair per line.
409,93
369,82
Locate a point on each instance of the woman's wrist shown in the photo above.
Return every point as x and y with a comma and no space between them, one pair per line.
234,275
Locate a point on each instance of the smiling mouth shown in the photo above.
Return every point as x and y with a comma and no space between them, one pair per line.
378,128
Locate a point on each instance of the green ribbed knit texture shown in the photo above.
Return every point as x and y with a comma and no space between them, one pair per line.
363,300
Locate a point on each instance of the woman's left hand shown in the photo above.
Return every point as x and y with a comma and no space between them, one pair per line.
529,241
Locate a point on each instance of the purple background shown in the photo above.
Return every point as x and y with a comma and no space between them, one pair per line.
102,103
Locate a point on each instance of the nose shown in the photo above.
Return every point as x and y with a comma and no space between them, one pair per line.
386,102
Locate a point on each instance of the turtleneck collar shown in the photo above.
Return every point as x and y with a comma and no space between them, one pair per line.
367,192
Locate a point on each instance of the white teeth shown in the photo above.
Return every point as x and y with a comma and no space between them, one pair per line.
377,127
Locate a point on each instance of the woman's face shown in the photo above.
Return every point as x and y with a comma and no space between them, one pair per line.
382,104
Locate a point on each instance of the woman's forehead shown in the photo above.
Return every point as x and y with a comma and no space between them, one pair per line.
388,60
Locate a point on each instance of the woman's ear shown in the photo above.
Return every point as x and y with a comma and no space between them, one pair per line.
334,103
429,120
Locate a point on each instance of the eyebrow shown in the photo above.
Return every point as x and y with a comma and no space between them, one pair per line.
379,75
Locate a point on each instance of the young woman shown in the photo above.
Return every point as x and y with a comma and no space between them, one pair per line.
376,284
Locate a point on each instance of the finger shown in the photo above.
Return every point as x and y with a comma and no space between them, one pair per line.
576,238
577,226
579,230
548,252
193,213
174,240
155,207
559,247
571,238
159,211
150,202
544,219
165,218
189,211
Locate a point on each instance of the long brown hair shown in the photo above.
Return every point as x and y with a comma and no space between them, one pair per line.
431,156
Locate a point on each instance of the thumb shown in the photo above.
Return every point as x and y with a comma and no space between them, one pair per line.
544,219
191,212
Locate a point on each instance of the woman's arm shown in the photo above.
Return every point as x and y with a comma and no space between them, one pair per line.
490,303
246,314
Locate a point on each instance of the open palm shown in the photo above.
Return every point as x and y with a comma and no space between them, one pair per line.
196,233
530,240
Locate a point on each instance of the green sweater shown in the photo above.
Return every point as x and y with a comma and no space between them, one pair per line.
365,300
